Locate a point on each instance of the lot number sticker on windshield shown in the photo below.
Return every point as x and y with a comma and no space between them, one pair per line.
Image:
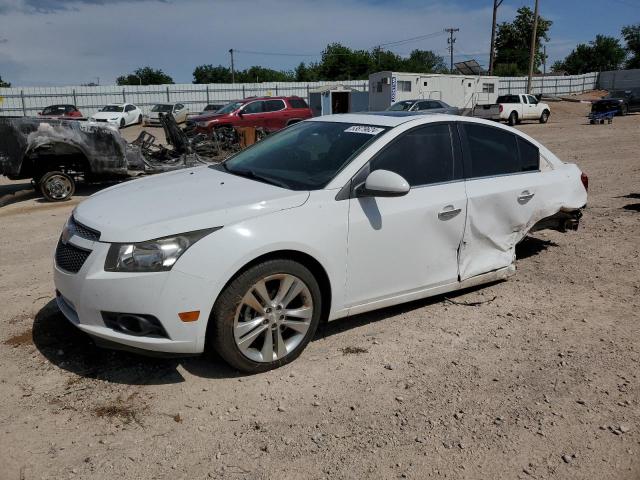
364,129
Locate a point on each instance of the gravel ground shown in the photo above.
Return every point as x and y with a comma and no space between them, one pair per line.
540,380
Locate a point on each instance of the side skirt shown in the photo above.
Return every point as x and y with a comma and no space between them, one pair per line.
493,276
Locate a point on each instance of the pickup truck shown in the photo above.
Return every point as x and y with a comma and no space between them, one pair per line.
514,109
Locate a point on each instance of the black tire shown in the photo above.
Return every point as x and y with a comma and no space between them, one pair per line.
221,329
544,118
57,186
122,123
139,119
513,118
624,110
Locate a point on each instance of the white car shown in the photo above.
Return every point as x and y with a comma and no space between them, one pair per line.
330,217
515,108
178,110
120,115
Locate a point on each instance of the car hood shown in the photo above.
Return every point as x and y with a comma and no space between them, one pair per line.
180,201
208,117
609,100
106,115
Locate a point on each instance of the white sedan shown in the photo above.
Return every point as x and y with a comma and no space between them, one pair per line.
178,110
120,115
331,217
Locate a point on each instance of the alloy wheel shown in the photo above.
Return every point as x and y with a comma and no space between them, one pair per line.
273,317
58,186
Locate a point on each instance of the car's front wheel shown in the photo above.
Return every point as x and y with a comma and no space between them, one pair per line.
544,118
266,316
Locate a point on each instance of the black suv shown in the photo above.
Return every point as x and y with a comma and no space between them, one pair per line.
620,101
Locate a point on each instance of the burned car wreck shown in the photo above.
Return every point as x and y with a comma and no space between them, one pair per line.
56,153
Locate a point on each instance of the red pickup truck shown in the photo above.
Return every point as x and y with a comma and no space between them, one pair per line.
270,113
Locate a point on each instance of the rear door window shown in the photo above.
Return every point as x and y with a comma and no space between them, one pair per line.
422,156
529,156
491,151
274,105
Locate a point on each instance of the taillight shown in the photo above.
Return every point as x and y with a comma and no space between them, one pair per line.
501,108
585,181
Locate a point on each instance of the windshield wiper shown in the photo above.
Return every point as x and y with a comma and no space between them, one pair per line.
256,176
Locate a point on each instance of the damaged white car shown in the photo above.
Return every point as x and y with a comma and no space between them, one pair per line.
331,217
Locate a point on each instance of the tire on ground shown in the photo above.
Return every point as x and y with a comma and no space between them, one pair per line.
57,186
221,329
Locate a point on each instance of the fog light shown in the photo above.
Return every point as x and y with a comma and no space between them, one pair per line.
134,324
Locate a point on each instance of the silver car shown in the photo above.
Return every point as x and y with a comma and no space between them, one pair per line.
425,106
178,110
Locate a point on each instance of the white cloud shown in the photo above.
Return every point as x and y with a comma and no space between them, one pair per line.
75,45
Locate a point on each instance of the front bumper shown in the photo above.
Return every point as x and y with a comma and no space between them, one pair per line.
83,296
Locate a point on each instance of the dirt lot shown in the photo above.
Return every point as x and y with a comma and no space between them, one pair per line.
539,381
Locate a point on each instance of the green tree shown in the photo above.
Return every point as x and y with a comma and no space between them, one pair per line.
4,84
211,74
145,76
341,63
631,35
307,73
603,53
513,43
423,61
261,74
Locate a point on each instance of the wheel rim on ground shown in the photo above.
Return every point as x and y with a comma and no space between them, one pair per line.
273,318
58,187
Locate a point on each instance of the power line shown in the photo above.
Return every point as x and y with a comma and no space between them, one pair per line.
318,54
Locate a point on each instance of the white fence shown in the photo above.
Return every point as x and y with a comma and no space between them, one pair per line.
620,80
31,100
552,85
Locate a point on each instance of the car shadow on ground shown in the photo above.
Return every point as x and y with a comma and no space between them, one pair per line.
68,348
531,246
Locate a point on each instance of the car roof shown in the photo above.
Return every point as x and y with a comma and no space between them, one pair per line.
383,119
393,119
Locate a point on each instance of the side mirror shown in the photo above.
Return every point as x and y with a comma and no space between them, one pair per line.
383,183
240,114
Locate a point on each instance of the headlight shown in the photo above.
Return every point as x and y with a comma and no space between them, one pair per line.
113,119
152,256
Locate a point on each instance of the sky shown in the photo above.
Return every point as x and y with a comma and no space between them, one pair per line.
71,42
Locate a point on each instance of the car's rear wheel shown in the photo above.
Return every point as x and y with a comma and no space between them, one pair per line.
139,119
544,118
122,123
513,118
57,186
266,316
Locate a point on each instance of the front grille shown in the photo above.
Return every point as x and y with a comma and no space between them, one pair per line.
70,258
83,231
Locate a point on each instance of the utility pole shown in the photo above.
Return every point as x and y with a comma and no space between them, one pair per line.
532,53
451,40
544,60
492,55
233,71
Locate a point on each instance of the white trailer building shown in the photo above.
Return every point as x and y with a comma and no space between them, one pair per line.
462,91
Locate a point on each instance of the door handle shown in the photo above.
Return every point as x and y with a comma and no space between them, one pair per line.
525,196
448,212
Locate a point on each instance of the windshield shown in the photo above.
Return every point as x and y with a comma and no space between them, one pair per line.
54,110
231,107
162,108
113,108
401,106
305,156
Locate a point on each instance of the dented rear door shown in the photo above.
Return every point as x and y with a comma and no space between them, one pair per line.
503,190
